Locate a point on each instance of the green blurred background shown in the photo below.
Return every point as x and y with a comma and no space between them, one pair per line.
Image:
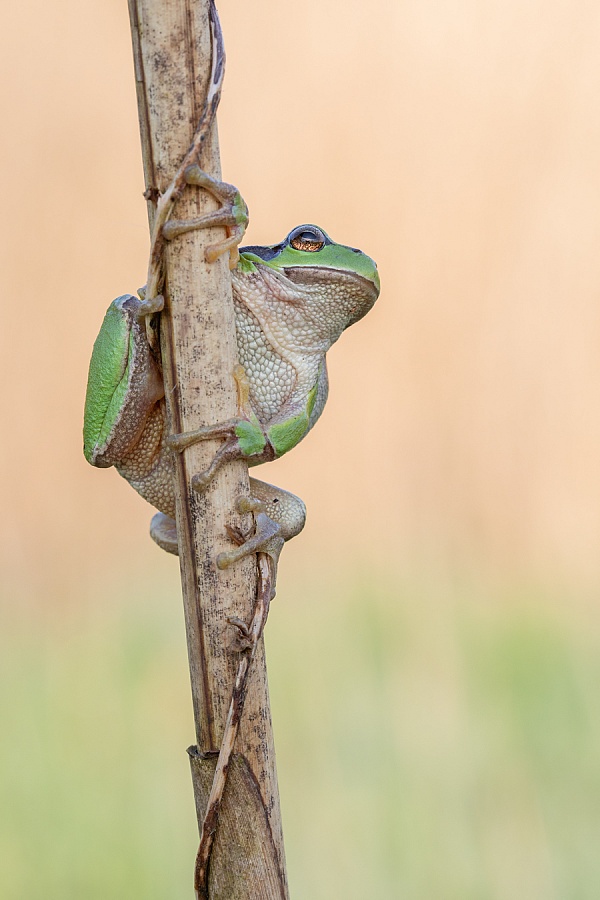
434,649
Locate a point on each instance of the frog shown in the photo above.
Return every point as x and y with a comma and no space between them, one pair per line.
292,302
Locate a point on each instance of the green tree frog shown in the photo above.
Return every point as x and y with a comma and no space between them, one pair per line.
292,301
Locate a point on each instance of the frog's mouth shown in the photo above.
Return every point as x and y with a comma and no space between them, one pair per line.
325,275
363,289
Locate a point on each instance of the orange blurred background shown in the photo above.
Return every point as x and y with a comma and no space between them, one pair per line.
457,144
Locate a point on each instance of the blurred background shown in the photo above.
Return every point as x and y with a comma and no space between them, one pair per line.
434,649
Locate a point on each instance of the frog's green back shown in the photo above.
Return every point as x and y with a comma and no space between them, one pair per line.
107,379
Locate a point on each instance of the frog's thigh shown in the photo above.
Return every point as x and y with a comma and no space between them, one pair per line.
124,383
283,507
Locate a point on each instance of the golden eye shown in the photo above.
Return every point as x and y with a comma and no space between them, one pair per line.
307,238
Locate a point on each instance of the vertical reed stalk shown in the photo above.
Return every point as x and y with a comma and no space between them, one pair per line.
172,54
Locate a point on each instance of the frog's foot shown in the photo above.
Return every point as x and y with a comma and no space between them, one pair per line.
232,214
278,515
163,532
230,450
227,453
266,538
243,439
149,305
180,442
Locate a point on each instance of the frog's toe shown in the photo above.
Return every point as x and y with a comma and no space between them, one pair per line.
201,481
224,560
267,538
148,307
250,505
176,442
163,532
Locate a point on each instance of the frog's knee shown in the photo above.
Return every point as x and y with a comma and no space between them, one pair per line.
163,532
285,508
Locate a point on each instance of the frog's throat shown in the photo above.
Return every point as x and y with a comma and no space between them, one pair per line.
303,315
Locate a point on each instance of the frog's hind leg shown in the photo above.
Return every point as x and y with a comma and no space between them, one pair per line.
283,507
163,532
278,515
124,385
228,452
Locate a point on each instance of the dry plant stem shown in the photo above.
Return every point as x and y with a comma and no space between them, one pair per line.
167,201
250,636
172,54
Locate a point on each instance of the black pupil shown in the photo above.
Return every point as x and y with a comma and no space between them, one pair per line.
308,237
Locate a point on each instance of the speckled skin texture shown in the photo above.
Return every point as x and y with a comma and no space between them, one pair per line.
272,376
133,367
286,320
148,467
286,323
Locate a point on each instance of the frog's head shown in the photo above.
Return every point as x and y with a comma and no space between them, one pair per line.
308,258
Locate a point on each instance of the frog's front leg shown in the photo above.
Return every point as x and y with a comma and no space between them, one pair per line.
232,214
247,439
244,440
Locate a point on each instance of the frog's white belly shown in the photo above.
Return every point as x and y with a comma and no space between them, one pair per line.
272,378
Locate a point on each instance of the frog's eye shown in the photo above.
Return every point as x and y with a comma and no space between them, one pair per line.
307,237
